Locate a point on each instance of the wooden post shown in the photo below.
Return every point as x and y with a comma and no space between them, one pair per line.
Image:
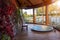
47,16
34,17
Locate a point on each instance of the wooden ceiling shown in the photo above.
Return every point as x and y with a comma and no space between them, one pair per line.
27,4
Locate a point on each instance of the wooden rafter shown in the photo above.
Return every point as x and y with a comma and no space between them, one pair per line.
18,2
30,2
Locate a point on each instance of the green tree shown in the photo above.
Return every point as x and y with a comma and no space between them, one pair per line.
52,8
39,11
25,15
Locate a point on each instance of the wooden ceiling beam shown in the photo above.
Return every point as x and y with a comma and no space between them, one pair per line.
18,3
43,3
35,6
30,2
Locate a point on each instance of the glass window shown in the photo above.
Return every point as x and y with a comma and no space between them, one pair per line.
40,15
28,15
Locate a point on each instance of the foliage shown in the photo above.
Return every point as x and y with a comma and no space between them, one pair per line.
39,11
25,15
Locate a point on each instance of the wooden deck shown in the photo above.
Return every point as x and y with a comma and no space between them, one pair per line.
31,35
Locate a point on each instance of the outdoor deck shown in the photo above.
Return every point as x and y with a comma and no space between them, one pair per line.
31,35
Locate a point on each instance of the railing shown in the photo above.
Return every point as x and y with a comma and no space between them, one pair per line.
41,19
55,19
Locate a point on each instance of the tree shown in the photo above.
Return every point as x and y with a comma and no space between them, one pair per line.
52,8
39,11
25,15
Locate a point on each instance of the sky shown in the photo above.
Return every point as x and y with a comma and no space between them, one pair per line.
29,11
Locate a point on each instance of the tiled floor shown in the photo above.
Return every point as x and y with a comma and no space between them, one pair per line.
31,35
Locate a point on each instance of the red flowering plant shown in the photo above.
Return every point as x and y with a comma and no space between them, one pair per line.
6,9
